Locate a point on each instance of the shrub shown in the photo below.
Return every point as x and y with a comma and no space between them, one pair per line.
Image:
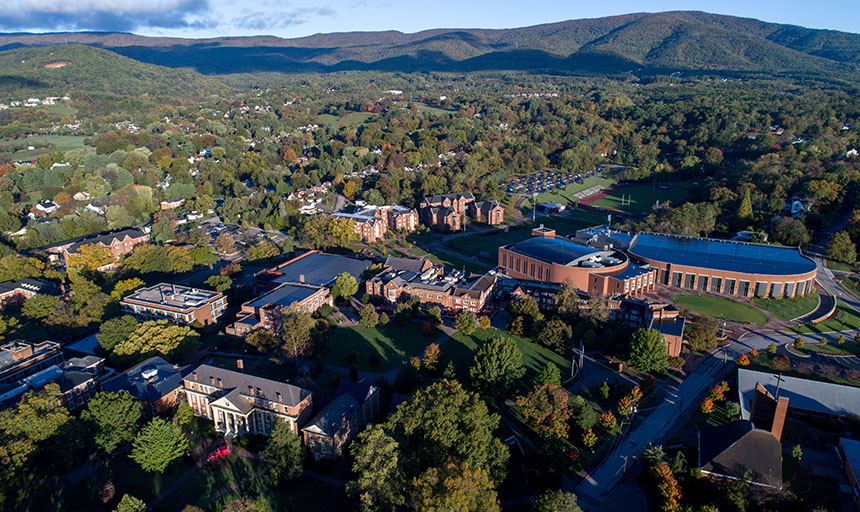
733,409
484,322
707,406
608,421
604,390
798,343
743,360
383,319
365,299
771,349
781,363
822,341
753,354
676,362
589,439
840,340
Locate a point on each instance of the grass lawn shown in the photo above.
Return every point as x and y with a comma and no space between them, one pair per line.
393,344
838,265
719,307
852,285
845,318
428,109
831,348
566,195
17,149
351,119
642,198
459,350
790,308
455,262
302,495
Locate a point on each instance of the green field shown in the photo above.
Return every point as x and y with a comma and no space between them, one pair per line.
788,309
459,350
63,109
393,344
352,119
566,195
485,245
831,348
642,198
427,109
845,318
838,265
42,143
719,307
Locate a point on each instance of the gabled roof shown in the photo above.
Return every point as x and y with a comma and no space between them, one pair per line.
349,397
732,449
29,284
105,239
803,394
438,198
239,383
405,264
167,380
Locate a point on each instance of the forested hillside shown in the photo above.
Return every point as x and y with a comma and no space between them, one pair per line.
646,43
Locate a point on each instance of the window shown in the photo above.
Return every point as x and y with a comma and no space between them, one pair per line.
532,273
691,282
730,286
776,290
540,273
717,285
761,289
745,288
651,278
677,278
789,290
626,286
703,283
517,265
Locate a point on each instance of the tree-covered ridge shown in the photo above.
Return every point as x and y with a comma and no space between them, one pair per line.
678,40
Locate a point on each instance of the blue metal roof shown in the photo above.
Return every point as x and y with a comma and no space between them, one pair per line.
553,250
722,255
632,270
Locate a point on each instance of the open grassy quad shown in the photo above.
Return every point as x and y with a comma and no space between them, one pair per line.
845,318
719,307
838,265
790,308
352,119
567,194
459,350
16,149
392,344
641,198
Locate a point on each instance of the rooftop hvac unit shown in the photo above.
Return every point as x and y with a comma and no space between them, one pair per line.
150,372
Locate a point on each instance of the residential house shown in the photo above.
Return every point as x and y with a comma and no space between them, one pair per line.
155,382
46,207
354,406
240,404
179,304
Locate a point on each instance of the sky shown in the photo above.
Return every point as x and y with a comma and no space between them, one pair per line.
296,18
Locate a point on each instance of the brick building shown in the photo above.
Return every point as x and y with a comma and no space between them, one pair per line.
240,404
404,278
354,406
13,293
179,304
119,243
548,259
264,311
446,211
372,222
19,359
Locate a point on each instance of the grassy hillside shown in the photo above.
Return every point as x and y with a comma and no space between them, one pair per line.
657,42
76,69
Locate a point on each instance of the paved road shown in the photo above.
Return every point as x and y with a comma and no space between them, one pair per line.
596,486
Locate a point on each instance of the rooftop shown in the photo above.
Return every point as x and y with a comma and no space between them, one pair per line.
240,383
723,255
319,269
565,252
164,380
173,295
803,394
733,448
105,239
283,295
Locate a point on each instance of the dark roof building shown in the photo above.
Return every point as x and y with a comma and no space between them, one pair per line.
312,268
728,451
354,406
804,395
155,382
16,292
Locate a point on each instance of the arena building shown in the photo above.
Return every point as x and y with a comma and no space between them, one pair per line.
705,265
548,259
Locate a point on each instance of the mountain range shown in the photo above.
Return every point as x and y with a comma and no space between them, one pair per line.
646,42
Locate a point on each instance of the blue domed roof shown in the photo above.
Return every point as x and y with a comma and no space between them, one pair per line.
553,250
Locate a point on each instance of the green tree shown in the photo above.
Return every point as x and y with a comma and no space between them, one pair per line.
262,250
379,480
129,503
454,488
157,337
40,307
115,418
344,286
124,287
745,212
647,351
115,331
555,335
163,230
549,374
496,365
219,282
841,248
157,445
36,417
262,339
556,501
13,267
296,327
184,414
91,257
368,317
284,454
342,231
465,323
225,243
527,308
582,413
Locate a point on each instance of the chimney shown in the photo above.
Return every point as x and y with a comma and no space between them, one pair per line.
240,365
278,396
302,278
194,375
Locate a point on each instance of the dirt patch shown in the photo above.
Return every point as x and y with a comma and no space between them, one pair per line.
58,64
